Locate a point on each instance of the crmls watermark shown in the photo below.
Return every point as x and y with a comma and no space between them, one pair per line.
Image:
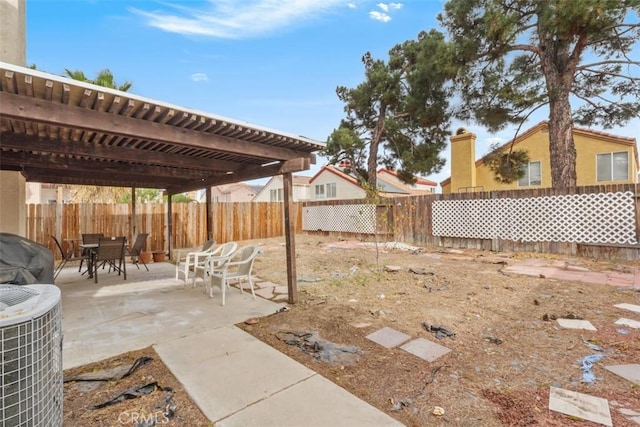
134,418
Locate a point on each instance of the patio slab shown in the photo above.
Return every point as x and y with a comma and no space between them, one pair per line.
630,307
580,405
115,316
388,337
227,369
425,349
629,372
628,322
332,406
576,324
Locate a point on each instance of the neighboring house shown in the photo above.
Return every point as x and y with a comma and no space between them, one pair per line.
273,190
333,183
601,158
421,185
38,193
238,192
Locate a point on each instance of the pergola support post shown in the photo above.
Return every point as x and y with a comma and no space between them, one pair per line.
169,226
290,239
209,218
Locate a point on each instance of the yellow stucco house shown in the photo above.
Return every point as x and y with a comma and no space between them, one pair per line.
602,158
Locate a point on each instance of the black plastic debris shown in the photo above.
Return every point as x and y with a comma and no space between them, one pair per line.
440,331
493,340
111,374
322,350
132,393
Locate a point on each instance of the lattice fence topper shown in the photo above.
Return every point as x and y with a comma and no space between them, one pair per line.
344,218
580,218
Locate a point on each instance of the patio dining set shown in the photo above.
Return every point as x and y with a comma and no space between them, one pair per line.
96,252
217,265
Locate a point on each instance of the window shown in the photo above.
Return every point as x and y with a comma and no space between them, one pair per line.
331,190
612,166
319,188
275,195
532,175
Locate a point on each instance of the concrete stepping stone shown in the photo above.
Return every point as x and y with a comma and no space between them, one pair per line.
628,372
631,307
265,285
266,293
580,405
425,349
576,324
281,290
280,298
628,322
388,337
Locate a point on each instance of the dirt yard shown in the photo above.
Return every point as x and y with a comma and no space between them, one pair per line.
507,349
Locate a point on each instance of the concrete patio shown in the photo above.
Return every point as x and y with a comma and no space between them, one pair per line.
235,379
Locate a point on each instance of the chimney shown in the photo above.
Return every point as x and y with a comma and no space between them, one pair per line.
344,164
463,160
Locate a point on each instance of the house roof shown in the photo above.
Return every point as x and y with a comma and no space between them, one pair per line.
386,187
624,140
57,130
419,180
230,188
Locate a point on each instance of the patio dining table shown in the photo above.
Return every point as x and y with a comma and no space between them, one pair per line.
90,248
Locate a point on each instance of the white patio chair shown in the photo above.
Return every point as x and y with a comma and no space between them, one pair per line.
236,267
206,262
185,258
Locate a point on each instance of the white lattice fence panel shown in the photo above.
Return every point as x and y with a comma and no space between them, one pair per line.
464,218
341,218
581,218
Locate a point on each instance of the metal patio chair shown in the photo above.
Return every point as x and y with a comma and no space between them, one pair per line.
66,257
137,248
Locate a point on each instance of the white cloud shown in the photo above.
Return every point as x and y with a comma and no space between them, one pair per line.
351,5
379,16
385,7
199,77
232,19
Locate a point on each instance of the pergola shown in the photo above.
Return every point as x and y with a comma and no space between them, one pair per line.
62,131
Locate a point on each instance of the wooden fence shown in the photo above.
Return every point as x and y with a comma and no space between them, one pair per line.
231,222
410,219
405,219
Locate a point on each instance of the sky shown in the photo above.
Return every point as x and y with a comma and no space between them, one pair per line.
273,63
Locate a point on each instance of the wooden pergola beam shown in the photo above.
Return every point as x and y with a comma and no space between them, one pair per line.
16,107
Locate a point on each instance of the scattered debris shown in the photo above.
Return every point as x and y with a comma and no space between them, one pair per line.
536,302
252,321
421,271
622,331
392,268
305,280
282,310
586,363
492,340
132,393
440,331
546,317
111,374
438,411
591,345
441,288
400,404
320,349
